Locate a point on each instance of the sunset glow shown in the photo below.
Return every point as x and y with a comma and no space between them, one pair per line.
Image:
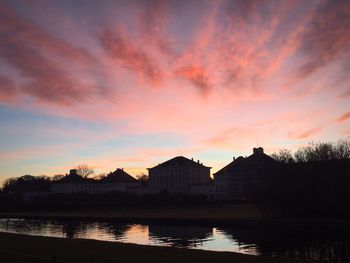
133,83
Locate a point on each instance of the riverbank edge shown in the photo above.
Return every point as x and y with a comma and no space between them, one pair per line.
161,219
87,250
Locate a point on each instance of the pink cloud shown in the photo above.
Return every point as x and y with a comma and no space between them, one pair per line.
7,90
327,37
197,75
153,21
305,133
344,117
123,51
37,55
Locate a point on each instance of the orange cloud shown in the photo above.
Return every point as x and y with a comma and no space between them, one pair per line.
305,134
197,75
344,117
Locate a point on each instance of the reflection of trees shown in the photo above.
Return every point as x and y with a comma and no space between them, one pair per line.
118,230
319,243
180,236
71,228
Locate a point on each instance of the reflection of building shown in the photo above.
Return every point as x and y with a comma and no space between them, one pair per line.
183,236
72,228
293,241
117,181
74,183
178,175
240,179
118,230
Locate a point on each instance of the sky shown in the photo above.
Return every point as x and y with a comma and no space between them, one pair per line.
131,84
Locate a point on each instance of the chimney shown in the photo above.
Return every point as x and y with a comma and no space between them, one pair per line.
197,161
73,171
234,158
259,150
191,159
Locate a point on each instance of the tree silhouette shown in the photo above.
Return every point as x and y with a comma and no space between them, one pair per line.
283,156
322,151
57,177
142,177
84,171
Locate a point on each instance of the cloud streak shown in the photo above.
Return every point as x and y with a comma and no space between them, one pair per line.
327,38
344,117
122,51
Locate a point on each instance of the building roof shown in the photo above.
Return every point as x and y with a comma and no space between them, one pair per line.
258,157
118,176
179,161
74,177
231,165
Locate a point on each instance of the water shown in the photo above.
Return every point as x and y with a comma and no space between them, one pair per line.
320,243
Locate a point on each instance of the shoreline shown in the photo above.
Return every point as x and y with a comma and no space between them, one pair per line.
25,248
245,215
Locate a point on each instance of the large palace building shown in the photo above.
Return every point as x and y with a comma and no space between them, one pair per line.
178,175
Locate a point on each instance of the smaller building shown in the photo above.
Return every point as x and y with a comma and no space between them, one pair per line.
118,181
74,183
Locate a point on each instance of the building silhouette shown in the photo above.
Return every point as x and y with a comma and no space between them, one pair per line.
178,176
74,183
244,176
117,181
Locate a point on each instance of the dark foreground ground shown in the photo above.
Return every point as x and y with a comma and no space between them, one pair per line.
27,249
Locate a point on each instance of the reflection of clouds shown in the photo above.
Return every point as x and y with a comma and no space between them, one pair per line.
326,243
118,230
137,234
222,242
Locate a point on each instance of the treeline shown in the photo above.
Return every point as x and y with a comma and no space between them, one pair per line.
314,182
315,151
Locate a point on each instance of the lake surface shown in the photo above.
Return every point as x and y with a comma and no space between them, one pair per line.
320,243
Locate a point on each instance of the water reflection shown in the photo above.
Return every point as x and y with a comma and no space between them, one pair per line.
181,236
320,243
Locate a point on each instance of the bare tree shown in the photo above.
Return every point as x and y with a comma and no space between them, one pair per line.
84,171
142,177
284,156
321,151
57,177
100,176
342,149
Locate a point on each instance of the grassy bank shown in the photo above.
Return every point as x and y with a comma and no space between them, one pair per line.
25,249
206,215
209,214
